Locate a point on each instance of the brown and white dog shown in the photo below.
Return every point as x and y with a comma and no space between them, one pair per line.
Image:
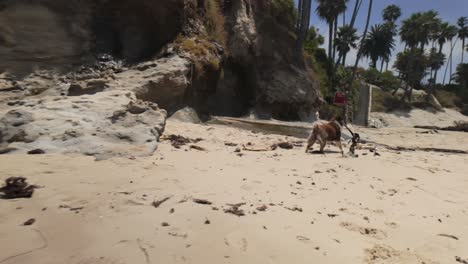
324,132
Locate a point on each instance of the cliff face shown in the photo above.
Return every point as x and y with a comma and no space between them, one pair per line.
261,65
253,68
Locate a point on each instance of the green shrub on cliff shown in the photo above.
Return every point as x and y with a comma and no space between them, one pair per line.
284,12
215,22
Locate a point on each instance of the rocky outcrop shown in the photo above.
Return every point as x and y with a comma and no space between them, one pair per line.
164,81
64,34
107,124
261,58
90,76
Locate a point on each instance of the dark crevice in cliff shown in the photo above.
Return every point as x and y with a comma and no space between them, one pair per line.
136,30
235,93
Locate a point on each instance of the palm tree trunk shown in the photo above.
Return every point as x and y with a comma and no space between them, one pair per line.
304,18
357,6
299,12
330,41
386,66
451,65
307,16
335,31
358,57
344,18
344,59
449,61
381,65
441,47
463,50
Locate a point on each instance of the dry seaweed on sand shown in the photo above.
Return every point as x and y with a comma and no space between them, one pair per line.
156,204
201,201
17,187
197,148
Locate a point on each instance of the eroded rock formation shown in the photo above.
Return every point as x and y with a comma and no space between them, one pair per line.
68,67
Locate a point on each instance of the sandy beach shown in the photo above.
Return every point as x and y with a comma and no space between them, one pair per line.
274,206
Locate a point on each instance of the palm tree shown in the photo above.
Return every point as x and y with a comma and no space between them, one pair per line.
358,57
462,33
446,33
329,10
379,44
391,13
452,35
346,39
363,38
418,29
436,61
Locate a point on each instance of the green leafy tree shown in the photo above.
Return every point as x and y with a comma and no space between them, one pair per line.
436,61
413,66
461,76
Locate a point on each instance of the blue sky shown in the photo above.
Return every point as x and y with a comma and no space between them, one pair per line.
449,10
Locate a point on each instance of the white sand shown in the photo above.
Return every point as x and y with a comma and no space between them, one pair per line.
391,208
420,117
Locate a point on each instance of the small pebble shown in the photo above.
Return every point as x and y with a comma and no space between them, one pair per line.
29,222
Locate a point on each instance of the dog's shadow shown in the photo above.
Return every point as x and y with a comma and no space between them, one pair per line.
318,152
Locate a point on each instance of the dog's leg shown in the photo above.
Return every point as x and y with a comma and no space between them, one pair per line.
341,147
322,145
310,142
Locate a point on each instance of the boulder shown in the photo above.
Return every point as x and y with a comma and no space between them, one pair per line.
104,125
187,115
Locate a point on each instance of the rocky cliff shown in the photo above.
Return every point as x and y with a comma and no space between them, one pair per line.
70,67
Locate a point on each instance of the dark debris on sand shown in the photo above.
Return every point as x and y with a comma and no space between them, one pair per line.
460,260
177,141
201,201
156,204
29,222
235,209
36,152
17,187
294,209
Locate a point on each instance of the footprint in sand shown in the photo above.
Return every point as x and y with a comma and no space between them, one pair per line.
386,254
366,231
303,239
241,243
391,224
100,260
